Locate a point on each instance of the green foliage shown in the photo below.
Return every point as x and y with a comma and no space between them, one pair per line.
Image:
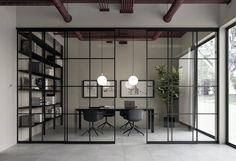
167,83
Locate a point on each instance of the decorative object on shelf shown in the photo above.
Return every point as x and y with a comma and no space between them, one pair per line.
39,82
37,101
133,79
48,84
24,82
25,45
166,92
102,80
49,71
51,100
90,89
58,110
37,67
49,113
38,118
24,121
142,90
109,91
59,62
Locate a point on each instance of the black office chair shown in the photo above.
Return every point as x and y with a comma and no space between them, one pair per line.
92,115
133,116
124,113
107,113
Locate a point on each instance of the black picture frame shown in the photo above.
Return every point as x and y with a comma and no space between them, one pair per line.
90,85
140,81
111,86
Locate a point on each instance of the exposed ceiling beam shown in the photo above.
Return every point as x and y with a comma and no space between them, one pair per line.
127,6
103,5
79,35
48,2
156,35
173,9
63,11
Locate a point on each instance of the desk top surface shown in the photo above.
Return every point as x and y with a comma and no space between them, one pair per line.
116,109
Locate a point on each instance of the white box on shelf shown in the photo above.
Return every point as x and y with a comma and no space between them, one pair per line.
38,118
51,99
59,62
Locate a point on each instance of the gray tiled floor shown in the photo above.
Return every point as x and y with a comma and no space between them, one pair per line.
119,152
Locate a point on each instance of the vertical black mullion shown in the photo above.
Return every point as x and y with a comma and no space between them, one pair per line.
193,115
227,85
17,86
54,88
217,90
147,62
196,83
30,91
90,80
167,68
44,80
115,83
61,84
171,85
64,84
67,89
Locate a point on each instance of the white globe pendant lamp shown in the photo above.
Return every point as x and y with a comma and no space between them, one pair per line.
102,80
133,79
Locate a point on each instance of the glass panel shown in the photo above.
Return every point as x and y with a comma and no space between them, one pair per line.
207,100
78,44
78,71
207,72
183,127
76,102
160,129
206,126
232,85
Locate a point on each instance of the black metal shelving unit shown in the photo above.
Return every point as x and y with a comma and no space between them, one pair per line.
26,55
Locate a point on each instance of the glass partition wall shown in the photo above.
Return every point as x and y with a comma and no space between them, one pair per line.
58,91
231,90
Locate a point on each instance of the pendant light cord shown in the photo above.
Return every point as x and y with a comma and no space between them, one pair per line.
133,55
102,54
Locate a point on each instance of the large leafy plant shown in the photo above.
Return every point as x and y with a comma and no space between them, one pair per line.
167,84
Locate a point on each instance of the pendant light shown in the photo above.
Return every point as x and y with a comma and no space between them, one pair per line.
102,80
133,79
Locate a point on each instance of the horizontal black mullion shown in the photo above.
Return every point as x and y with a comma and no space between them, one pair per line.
87,58
182,58
176,114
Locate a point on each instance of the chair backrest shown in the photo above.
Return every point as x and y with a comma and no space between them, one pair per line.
92,115
129,104
135,115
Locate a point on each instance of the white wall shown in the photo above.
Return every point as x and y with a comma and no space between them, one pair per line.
8,77
145,15
227,13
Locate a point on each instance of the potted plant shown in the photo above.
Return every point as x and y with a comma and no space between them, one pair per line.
167,87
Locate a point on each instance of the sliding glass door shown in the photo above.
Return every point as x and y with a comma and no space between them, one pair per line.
231,85
183,65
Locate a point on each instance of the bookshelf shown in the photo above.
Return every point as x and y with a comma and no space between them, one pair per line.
39,83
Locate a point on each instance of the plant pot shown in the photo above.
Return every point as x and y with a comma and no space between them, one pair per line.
169,121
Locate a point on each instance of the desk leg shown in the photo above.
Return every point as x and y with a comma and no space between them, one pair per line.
152,120
80,119
75,121
149,119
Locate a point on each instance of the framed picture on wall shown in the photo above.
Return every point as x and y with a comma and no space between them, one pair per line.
109,91
142,90
90,89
